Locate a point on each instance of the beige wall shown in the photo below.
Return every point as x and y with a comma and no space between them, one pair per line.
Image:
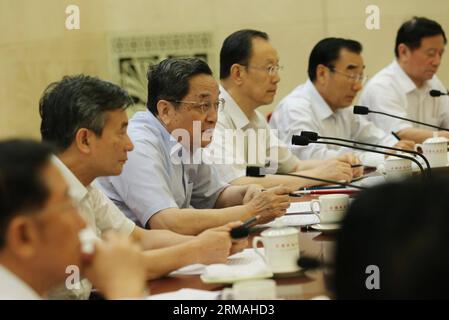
35,47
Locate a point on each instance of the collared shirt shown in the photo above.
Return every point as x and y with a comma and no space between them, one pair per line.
157,176
99,213
13,288
392,91
305,109
239,142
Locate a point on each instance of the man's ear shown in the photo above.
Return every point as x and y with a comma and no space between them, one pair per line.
236,73
165,111
22,237
321,73
83,140
403,51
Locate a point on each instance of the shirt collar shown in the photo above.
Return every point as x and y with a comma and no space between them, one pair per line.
76,189
17,288
169,141
405,82
233,110
319,104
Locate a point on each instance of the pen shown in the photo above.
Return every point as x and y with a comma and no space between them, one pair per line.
327,191
242,231
395,135
356,165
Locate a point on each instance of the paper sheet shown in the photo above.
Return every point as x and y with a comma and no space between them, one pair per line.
299,207
186,294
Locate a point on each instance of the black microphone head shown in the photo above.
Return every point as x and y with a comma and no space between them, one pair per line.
300,140
239,232
361,110
305,262
435,93
253,171
312,136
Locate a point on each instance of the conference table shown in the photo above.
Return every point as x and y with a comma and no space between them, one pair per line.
303,285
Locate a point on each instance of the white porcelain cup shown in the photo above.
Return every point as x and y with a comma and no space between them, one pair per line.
435,150
331,207
263,289
395,168
281,249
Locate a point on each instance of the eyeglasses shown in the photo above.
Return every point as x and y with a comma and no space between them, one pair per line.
271,70
356,77
206,106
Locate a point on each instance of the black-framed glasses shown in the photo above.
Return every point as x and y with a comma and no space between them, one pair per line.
205,106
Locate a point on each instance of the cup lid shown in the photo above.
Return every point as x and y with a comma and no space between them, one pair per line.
279,229
436,140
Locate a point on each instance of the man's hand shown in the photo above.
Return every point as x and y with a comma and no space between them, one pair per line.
214,245
352,160
269,204
333,169
405,145
116,267
252,191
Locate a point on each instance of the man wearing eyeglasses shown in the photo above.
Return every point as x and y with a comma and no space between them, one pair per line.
323,103
403,87
249,72
164,185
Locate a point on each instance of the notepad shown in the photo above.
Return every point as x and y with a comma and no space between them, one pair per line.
245,265
299,207
186,294
292,220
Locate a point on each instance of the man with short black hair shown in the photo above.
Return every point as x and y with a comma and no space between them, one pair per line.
85,118
39,232
166,184
322,104
249,73
403,87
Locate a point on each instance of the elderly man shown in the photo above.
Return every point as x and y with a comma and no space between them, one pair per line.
165,185
323,103
85,118
39,228
403,87
249,72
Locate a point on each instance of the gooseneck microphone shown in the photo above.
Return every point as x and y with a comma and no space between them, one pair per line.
362,110
437,93
313,136
304,141
252,171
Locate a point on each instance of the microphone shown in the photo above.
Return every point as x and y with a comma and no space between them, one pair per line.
304,141
362,110
242,231
306,262
252,171
313,136
437,93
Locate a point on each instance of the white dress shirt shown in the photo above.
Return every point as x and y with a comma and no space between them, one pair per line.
305,109
13,288
100,214
392,91
253,143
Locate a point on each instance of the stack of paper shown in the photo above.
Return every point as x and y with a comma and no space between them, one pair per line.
245,265
186,294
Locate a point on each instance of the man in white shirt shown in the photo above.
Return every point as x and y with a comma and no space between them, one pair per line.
403,87
39,232
323,103
85,118
249,67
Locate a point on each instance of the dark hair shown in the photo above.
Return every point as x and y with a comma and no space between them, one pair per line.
237,48
21,186
169,79
327,51
78,102
412,31
402,228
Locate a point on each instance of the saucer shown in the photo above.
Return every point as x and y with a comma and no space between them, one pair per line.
326,226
